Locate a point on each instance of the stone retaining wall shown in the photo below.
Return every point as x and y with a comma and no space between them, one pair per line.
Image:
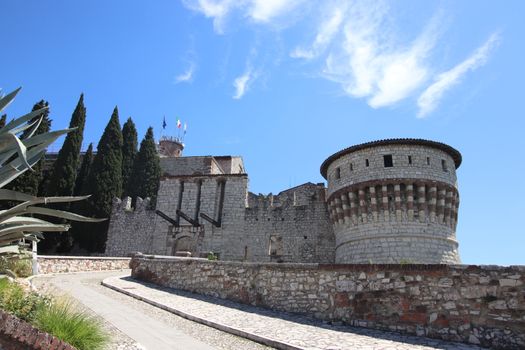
61,264
476,304
16,334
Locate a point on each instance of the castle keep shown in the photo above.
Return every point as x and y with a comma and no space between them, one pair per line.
387,201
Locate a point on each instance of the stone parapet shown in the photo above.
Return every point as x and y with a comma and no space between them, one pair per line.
63,264
482,305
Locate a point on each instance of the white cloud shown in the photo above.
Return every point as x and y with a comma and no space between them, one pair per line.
267,10
430,98
328,28
187,76
242,84
371,64
216,9
356,45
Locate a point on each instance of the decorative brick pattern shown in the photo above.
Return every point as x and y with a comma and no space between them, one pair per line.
475,304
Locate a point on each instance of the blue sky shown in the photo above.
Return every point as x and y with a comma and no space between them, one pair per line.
287,83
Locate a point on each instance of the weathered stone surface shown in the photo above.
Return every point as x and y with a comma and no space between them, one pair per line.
61,264
359,295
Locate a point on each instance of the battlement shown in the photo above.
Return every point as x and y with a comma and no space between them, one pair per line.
305,194
125,204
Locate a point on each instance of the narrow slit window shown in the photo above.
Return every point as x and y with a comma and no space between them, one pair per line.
351,166
337,173
428,160
367,163
444,165
409,160
388,161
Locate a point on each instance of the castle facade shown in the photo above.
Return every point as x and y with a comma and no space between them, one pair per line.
388,201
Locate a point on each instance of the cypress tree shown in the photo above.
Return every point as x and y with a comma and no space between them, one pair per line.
64,173
104,183
83,172
29,181
146,169
129,150
2,120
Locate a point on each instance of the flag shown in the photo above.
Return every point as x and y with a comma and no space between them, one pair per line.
164,123
179,124
185,127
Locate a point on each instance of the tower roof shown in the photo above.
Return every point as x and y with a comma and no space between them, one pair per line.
454,153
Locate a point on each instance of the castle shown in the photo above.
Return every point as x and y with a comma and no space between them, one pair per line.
388,201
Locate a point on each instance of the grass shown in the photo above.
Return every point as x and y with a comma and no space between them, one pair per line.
73,326
59,318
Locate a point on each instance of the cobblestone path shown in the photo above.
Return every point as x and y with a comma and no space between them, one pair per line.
286,331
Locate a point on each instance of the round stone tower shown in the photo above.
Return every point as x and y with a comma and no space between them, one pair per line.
394,201
170,147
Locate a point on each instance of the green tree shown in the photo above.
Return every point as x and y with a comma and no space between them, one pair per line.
64,173
83,172
2,120
104,183
29,181
129,151
146,169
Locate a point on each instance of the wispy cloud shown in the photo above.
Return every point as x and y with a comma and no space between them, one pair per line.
242,84
356,44
430,98
328,28
187,76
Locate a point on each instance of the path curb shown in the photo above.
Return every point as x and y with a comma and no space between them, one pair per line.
220,326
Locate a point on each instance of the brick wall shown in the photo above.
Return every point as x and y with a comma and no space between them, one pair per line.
476,304
17,334
61,264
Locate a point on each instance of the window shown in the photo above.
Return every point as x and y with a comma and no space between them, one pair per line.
444,165
337,173
351,166
409,160
367,163
428,160
389,162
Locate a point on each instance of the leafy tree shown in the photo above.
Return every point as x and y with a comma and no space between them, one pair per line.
146,169
64,173
2,120
83,172
104,183
29,181
129,151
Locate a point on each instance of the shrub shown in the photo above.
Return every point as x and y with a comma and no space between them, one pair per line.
73,326
20,266
23,305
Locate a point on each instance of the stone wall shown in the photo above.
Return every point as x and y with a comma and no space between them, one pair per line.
130,229
61,264
476,304
17,334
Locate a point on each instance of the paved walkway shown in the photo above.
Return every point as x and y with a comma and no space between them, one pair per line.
277,329
133,324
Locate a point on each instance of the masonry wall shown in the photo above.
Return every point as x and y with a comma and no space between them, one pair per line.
130,229
66,264
290,227
476,304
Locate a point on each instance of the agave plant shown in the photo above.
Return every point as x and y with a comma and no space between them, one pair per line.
18,155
